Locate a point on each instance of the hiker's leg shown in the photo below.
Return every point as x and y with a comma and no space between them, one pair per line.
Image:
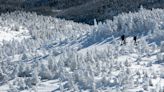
121,42
124,42
135,42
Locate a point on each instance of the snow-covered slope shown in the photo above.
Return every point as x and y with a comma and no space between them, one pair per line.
62,56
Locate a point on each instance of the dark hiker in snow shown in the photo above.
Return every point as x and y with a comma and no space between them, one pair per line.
123,40
135,40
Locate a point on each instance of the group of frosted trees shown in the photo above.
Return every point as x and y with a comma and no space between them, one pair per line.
93,70
51,52
138,23
42,30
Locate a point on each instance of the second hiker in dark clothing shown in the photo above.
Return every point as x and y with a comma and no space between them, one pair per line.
123,40
135,40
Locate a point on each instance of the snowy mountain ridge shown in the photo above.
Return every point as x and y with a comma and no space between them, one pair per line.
62,56
79,10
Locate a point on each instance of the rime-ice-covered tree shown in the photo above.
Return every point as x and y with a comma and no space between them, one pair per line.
44,72
35,77
162,47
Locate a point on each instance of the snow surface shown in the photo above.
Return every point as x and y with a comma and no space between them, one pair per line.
8,34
